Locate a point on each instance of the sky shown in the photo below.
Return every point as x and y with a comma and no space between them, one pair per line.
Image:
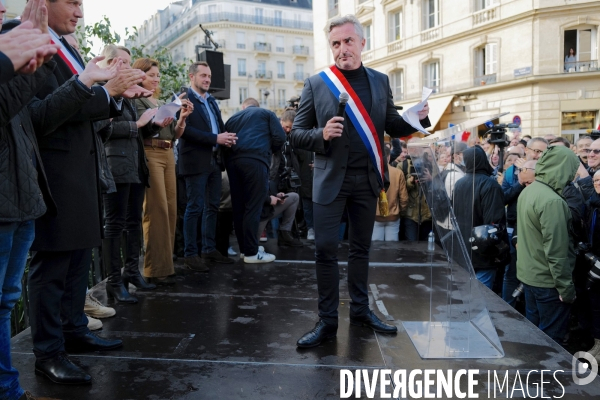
121,13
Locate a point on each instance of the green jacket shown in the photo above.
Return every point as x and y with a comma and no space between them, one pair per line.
544,224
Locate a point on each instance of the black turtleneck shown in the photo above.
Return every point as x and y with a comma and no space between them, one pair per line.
358,157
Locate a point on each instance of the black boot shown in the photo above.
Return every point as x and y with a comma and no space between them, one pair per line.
111,256
285,238
131,272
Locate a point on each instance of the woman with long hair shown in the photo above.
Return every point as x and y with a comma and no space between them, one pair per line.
122,138
160,205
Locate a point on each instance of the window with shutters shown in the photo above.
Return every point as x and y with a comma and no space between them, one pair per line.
486,64
397,84
367,32
431,13
431,75
483,4
395,25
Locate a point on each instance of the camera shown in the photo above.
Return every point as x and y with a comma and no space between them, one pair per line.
498,134
293,103
290,178
584,250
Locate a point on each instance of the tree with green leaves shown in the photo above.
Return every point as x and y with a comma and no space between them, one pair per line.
173,74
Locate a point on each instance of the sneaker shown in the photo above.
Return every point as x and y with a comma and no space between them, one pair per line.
94,324
311,234
260,258
231,252
263,237
95,309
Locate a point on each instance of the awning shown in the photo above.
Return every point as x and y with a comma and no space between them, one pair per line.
437,108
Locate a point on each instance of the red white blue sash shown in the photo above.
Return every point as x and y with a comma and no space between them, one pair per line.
73,64
359,116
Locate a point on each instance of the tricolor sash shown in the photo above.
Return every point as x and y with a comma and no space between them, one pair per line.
64,53
361,120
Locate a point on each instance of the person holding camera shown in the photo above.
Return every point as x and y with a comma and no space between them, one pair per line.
259,134
593,223
481,203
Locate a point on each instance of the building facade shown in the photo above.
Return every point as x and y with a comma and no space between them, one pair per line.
483,57
14,8
267,43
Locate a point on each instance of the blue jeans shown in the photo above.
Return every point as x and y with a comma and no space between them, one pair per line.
15,241
204,194
487,277
545,310
510,282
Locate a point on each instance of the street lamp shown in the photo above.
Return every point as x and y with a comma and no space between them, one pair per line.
266,93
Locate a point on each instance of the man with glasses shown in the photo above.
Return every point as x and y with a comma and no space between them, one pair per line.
583,148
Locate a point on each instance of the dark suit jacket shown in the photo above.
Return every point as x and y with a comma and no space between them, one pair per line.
67,145
197,142
318,106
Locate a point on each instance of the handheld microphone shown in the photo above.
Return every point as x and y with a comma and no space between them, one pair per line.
342,106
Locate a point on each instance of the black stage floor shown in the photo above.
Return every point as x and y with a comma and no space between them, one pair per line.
231,334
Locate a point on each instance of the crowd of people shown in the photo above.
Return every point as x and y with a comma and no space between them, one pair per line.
85,163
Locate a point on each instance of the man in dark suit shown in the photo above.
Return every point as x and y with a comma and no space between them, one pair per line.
344,174
198,145
58,273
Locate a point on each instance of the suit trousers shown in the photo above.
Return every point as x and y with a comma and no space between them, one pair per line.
248,181
57,285
160,213
357,196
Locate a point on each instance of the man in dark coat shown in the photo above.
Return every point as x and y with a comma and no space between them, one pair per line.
259,135
481,203
63,243
344,174
198,164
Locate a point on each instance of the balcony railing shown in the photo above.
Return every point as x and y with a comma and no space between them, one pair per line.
398,94
241,73
300,76
176,29
430,34
240,45
264,74
367,56
262,47
486,15
281,76
581,66
280,49
395,46
300,50
482,80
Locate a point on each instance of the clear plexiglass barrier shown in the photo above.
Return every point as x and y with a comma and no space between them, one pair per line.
459,324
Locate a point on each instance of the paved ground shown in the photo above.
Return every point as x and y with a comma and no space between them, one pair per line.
231,333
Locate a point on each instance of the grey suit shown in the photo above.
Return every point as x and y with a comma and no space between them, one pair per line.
334,190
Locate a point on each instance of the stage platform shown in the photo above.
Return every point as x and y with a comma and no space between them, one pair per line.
231,334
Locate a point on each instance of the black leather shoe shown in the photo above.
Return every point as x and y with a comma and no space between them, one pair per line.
163,281
196,263
217,257
91,342
372,321
320,332
60,369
